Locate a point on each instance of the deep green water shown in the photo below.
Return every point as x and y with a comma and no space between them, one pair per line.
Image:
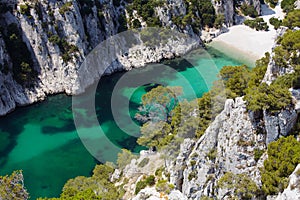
42,139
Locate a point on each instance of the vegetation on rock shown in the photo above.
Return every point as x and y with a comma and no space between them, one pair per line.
12,187
258,24
272,3
249,10
23,70
283,157
96,187
147,181
288,5
241,185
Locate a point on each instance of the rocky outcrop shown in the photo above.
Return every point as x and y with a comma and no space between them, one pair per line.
297,4
227,8
292,192
59,35
227,146
152,194
255,3
176,169
279,124
273,70
296,98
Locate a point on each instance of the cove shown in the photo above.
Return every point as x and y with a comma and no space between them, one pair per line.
42,139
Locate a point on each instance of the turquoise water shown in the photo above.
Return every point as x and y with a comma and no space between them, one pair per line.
42,139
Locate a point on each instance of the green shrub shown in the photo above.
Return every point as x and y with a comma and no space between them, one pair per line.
146,9
205,10
236,79
283,157
258,24
122,23
96,187
272,3
285,53
288,5
275,22
23,70
65,8
136,23
249,10
139,186
12,187
148,181
193,162
192,175
241,185
25,9
144,162
220,20
292,19
272,98
164,186
55,39
212,154
257,154
124,158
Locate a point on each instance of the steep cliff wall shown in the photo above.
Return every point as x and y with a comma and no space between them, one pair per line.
57,35
227,145
50,40
227,8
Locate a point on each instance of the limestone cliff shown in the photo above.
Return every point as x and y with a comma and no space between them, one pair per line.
53,37
227,145
58,35
227,8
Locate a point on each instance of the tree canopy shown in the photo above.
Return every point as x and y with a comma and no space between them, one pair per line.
283,157
96,187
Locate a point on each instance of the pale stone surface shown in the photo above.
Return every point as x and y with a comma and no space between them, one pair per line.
292,192
57,76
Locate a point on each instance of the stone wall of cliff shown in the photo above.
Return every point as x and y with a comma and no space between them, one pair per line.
59,34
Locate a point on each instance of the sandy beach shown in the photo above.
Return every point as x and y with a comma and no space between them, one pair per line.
249,43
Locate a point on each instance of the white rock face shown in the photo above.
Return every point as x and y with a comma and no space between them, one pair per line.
152,194
292,192
147,194
227,145
296,97
273,71
226,7
297,4
83,29
279,124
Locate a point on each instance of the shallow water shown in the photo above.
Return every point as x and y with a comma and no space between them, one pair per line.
42,139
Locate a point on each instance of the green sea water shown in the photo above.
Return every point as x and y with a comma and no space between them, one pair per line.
42,139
